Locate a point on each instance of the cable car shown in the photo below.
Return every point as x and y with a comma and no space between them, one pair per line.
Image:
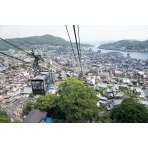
41,83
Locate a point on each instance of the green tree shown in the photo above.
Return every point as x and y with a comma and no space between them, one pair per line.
105,118
77,101
129,111
16,121
4,118
49,103
46,102
28,107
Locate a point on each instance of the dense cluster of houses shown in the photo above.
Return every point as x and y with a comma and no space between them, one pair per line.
108,69
13,81
113,76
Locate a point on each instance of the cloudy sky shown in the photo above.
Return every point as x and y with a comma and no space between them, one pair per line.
87,32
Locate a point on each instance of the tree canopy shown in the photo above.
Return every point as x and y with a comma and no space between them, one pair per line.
4,118
77,101
48,103
28,107
37,40
126,45
129,111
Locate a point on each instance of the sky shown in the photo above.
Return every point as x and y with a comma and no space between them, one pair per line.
88,33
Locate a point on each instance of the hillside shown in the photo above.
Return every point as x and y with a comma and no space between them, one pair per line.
36,40
126,45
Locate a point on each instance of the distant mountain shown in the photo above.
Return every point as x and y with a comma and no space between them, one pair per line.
37,40
126,45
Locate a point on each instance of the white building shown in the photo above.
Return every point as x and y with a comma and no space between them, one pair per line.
14,92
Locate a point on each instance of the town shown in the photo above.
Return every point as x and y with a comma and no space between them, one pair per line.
113,76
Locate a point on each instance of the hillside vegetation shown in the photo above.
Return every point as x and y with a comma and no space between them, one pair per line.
126,45
36,40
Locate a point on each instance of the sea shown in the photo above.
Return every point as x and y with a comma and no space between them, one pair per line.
137,55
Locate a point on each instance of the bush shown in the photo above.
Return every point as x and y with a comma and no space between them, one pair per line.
129,111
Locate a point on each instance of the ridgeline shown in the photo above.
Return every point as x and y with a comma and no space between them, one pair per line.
36,40
126,45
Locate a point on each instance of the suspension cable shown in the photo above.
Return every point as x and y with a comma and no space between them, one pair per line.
70,42
77,47
15,46
79,40
13,57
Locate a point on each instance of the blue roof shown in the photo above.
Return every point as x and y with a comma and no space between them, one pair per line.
48,120
102,85
49,86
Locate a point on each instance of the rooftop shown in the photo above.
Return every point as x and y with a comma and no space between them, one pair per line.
39,77
35,116
145,92
102,85
27,90
48,120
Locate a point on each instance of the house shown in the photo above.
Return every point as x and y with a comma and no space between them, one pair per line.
92,81
109,90
102,100
127,81
146,93
118,73
123,87
137,91
35,116
113,103
27,90
116,102
145,103
15,91
141,73
118,95
115,81
110,95
115,87
101,85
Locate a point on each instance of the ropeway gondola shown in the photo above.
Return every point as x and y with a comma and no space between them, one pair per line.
43,80
41,83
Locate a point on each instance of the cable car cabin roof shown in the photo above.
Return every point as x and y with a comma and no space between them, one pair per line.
41,76
44,73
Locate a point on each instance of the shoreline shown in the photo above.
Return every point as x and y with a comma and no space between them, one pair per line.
124,50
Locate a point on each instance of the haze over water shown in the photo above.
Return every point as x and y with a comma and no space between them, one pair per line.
137,55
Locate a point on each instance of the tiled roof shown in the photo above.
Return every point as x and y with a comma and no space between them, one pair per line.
35,116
